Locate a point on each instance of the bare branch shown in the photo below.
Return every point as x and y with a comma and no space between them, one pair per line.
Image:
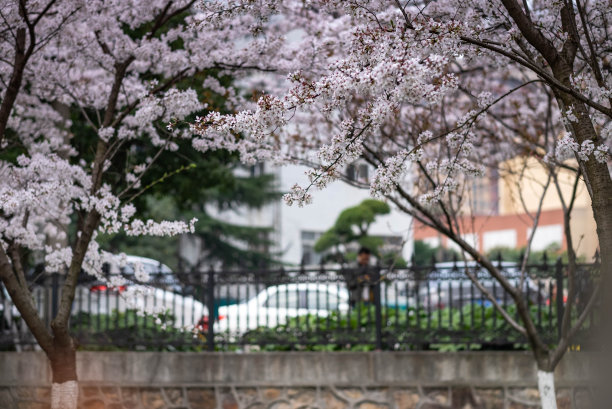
498,307
572,268
536,220
531,331
242,67
565,340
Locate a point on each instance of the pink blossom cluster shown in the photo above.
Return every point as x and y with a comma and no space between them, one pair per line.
116,65
434,92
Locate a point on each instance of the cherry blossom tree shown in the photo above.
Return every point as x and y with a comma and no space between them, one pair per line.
437,91
433,90
116,67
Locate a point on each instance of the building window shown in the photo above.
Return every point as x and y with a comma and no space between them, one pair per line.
546,236
484,194
257,169
499,238
309,256
358,172
363,173
494,191
350,172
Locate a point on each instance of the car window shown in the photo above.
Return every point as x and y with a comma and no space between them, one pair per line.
321,300
283,299
155,268
152,270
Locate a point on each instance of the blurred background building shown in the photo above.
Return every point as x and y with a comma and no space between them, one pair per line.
294,230
503,205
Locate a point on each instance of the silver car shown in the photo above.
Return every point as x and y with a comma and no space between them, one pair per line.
448,286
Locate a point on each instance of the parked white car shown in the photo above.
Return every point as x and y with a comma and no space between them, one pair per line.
159,274
276,304
187,311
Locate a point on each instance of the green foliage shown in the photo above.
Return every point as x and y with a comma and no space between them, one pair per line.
424,254
129,330
553,252
469,327
221,237
359,218
352,226
370,242
225,242
328,240
390,259
505,253
184,184
336,332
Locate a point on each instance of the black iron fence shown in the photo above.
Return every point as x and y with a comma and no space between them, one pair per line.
434,307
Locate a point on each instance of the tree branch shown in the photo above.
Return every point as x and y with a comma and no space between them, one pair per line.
22,298
17,266
532,335
10,95
530,32
565,340
571,254
59,325
536,221
550,80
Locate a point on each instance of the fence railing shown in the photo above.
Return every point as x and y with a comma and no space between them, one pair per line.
434,307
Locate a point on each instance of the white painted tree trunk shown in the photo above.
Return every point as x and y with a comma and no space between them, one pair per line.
64,395
546,385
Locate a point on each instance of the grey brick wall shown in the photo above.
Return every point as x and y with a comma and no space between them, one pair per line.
343,380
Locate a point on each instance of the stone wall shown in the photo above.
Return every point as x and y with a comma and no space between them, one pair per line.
378,380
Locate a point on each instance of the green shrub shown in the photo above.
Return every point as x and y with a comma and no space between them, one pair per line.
131,330
470,327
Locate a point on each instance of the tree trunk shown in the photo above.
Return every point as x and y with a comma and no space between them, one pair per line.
546,385
599,184
65,387
596,175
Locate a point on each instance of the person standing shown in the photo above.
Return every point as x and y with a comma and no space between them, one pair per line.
358,279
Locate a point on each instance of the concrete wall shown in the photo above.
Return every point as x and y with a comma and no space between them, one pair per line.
345,380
